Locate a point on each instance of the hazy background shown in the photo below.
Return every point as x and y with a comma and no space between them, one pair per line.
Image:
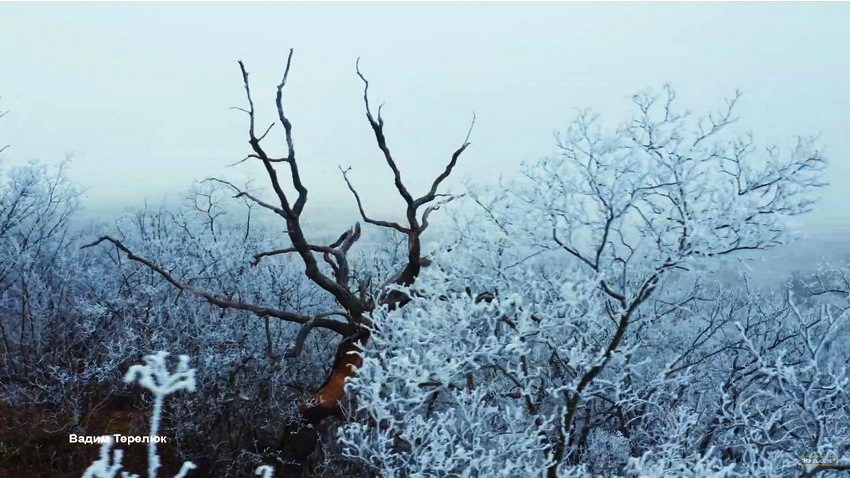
139,93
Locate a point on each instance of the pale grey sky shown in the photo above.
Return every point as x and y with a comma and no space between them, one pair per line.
139,93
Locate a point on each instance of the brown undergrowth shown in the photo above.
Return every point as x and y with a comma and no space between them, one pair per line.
35,440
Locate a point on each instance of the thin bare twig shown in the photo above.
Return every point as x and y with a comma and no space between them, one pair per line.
367,219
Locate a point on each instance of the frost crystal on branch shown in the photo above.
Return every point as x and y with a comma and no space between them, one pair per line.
154,376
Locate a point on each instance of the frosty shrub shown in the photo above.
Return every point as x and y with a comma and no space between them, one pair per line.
154,376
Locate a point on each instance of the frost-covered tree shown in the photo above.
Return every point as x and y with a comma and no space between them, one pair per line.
562,331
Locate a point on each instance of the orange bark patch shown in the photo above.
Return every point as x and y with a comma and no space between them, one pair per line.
326,401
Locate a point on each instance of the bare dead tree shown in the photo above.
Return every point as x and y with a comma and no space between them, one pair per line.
299,443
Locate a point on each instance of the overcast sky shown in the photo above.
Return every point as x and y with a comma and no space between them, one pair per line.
139,93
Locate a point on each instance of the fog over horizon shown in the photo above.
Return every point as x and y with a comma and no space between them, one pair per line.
140,94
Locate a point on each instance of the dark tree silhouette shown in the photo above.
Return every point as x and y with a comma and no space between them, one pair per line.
299,443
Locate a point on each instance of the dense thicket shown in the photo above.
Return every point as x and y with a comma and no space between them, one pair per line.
562,324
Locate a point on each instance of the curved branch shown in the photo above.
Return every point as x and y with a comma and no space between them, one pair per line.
432,193
415,261
258,149
338,327
286,250
435,207
297,345
240,193
290,146
378,128
368,220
